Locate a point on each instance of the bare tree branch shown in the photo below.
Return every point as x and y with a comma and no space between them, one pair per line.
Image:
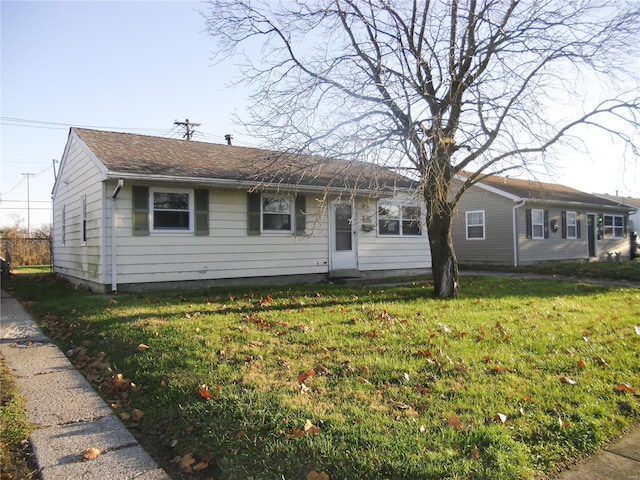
436,87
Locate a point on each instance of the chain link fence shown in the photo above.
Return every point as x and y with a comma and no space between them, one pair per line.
25,251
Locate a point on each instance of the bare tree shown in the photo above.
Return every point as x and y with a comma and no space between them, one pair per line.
435,87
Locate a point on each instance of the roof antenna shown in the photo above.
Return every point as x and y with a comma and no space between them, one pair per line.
228,138
187,125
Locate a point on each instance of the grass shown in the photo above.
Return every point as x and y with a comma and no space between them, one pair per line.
513,380
629,271
15,456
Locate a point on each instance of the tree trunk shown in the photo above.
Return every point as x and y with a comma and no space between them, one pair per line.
443,258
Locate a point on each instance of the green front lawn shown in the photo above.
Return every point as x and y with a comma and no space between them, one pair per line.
513,380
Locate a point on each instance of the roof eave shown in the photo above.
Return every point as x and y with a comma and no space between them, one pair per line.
594,206
246,184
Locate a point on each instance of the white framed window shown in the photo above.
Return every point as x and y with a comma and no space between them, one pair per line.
84,219
276,213
399,219
64,225
171,210
572,225
537,223
475,225
613,226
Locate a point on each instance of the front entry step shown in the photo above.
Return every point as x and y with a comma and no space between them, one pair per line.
344,274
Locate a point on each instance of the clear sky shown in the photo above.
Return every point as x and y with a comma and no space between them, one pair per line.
138,67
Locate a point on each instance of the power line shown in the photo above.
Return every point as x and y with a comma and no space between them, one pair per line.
187,125
28,123
22,180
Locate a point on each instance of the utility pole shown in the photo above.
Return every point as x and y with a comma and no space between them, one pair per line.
28,175
187,125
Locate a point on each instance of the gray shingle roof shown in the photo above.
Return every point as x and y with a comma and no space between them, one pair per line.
125,153
549,192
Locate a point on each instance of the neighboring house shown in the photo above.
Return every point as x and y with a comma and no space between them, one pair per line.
631,203
134,212
507,221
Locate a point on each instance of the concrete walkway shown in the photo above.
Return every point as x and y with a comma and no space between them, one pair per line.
69,415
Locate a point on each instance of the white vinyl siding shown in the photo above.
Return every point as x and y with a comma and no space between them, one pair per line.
77,219
475,225
227,252
389,252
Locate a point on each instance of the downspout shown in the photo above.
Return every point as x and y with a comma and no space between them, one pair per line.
515,233
114,249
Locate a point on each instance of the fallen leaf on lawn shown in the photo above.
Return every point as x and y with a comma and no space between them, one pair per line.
308,429
581,363
475,453
454,422
567,380
185,461
601,361
501,329
91,453
200,466
500,417
125,416
364,371
637,329
498,369
405,375
142,347
625,388
304,388
562,423
304,376
137,414
313,475
423,390
363,380
205,393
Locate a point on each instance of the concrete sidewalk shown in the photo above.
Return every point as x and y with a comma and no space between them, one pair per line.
72,417
69,415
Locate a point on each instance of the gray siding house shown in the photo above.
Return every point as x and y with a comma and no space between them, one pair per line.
134,212
507,221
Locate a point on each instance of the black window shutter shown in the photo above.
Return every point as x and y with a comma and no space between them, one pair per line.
201,214
140,210
301,214
577,225
253,213
626,224
528,221
546,224
563,216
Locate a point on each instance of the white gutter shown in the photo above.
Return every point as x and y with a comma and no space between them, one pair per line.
114,211
515,232
245,184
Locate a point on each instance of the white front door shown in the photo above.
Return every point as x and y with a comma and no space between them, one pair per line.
343,236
